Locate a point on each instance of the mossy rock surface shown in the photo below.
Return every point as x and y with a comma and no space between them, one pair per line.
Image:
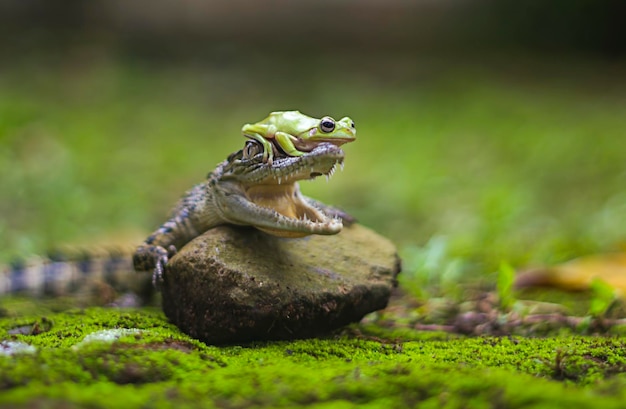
238,284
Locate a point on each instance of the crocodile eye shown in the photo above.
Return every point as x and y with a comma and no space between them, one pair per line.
327,124
352,124
251,149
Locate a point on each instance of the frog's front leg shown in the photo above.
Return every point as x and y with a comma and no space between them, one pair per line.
285,141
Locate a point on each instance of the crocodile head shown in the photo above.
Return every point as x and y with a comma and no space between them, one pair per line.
250,191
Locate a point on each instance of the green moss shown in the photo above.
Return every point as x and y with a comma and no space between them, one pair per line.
159,365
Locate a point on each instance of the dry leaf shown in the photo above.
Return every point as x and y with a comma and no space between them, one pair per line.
577,275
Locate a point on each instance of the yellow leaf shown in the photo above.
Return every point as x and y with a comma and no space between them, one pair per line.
577,275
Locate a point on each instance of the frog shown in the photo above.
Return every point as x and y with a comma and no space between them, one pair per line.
295,133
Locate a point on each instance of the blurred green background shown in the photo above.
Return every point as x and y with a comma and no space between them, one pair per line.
496,127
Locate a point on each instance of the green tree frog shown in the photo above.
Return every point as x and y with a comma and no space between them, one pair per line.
295,133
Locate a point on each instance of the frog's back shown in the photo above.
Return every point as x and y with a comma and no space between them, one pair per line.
292,122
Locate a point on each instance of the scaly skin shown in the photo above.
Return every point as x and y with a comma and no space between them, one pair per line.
246,190
90,275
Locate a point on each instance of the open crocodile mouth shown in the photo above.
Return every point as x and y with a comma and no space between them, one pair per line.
282,194
286,200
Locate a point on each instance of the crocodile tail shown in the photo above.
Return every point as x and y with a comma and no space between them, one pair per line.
100,273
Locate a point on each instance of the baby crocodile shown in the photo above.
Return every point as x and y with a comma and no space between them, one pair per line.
246,190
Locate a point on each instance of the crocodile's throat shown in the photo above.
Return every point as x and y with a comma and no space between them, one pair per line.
286,200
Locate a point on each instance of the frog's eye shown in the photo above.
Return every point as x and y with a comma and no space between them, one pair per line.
327,124
352,124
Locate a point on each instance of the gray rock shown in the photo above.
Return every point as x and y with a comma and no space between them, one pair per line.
237,284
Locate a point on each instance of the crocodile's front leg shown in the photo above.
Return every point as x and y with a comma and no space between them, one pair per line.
192,216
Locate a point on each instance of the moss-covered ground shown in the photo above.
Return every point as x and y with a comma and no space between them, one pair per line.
158,366
464,165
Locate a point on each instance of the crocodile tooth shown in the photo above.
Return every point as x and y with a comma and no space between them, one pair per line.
341,166
327,177
279,180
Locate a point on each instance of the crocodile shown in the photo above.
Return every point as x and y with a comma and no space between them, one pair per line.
246,190
242,190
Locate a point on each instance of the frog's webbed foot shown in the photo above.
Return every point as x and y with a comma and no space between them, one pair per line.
149,257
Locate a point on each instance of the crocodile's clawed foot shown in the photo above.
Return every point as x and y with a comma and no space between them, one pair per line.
153,258
160,262
157,274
